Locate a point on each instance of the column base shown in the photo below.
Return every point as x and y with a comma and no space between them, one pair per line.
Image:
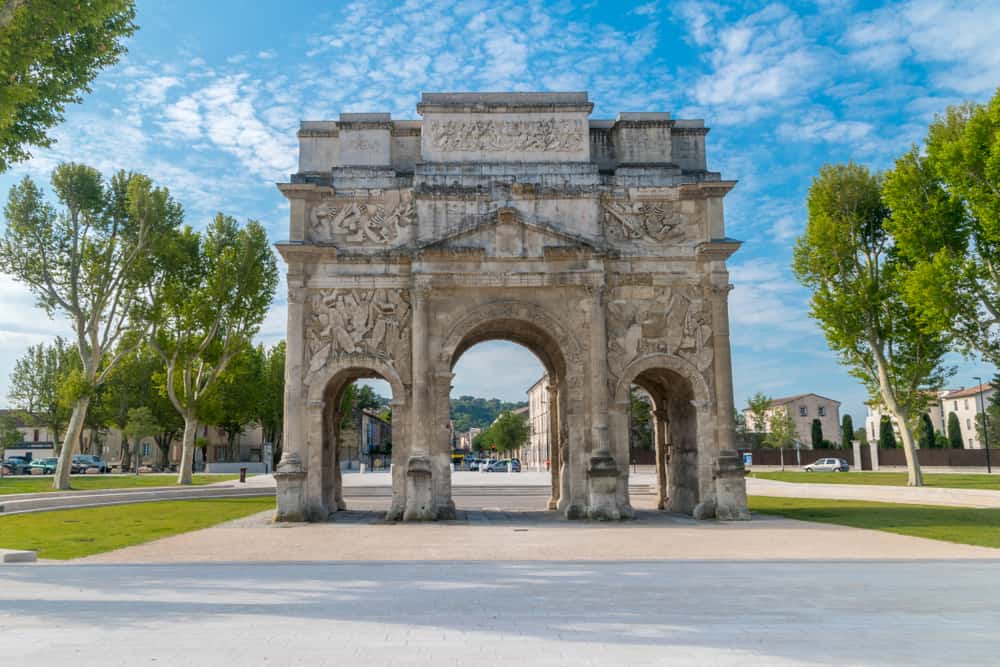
730,487
419,497
290,500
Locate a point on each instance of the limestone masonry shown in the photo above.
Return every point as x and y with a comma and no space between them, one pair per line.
598,244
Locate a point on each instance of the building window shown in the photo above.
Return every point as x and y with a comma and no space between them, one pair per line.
145,449
968,423
822,411
803,411
966,404
220,453
970,444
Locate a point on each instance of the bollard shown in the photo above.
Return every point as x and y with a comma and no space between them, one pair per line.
243,475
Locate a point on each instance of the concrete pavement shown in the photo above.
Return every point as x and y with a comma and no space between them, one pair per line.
747,613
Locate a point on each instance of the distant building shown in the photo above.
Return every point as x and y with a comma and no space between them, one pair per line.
965,403
803,408
536,455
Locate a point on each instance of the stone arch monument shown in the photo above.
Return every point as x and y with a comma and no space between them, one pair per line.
597,244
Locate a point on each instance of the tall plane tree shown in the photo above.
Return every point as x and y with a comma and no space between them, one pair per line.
50,51
35,385
209,300
846,258
945,220
86,262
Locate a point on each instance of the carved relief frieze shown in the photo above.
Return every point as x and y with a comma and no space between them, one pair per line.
677,321
534,136
378,221
365,322
655,221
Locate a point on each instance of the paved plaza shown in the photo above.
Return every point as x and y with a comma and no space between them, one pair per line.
503,613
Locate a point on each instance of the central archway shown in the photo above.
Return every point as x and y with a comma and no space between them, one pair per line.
530,326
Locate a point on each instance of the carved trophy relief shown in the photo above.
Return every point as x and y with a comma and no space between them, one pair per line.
372,322
543,136
650,221
676,322
352,221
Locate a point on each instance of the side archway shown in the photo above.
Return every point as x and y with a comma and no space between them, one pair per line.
683,427
324,417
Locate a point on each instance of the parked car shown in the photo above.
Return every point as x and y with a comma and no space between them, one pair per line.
47,466
83,461
828,465
501,466
17,465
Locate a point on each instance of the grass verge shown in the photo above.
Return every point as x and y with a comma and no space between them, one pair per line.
65,534
947,480
43,484
979,527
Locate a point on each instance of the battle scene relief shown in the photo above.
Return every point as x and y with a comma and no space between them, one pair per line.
380,221
653,221
371,322
676,321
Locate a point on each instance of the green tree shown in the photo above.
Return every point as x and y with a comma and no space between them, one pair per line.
50,52
640,420
847,431
886,433
272,405
507,433
35,383
9,435
955,432
758,404
817,434
141,424
846,258
87,262
926,432
946,222
209,299
781,432
469,412
234,402
861,435
990,431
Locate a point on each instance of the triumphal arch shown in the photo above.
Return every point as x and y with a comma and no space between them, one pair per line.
597,244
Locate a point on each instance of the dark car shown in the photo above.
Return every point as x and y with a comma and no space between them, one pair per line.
81,462
47,466
17,465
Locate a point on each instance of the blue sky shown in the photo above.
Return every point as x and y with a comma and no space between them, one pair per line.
208,100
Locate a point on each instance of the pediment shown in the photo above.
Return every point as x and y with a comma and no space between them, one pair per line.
506,233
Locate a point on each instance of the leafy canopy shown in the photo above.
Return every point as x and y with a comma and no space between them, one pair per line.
50,52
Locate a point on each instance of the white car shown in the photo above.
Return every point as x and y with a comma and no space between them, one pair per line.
828,465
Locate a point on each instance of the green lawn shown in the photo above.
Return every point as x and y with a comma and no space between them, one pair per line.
66,534
951,481
85,483
980,527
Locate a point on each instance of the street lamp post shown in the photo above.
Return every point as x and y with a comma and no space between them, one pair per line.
986,425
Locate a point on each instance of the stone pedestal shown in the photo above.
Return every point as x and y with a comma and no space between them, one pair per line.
291,493
856,446
602,475
419,497
873,448
730,487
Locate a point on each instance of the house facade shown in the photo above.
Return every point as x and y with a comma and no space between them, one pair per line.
966,403
803,408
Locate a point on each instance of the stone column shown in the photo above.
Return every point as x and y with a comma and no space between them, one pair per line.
553,441
603,488
290,471
729,476
418,465
660,430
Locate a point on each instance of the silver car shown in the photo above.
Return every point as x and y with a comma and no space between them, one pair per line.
828,465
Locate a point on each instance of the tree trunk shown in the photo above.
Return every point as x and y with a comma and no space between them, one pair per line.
60,481
914,476
126,457
187,449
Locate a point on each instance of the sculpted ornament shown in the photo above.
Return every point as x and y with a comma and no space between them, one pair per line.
374,322
655,221
363,221
673,323
508,135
